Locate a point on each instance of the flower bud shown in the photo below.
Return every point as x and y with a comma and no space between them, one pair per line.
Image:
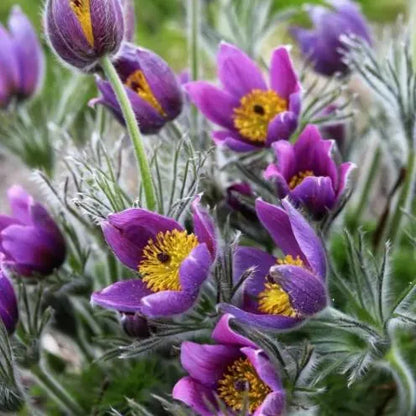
135,325
83,31
8,303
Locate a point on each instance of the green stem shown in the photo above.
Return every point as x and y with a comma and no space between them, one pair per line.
62,397
404,380
405,198
367,186
193,45
133,130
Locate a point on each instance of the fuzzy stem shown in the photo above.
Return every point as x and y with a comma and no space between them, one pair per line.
367,186
193,46
61,396
404,380
405,198
133,130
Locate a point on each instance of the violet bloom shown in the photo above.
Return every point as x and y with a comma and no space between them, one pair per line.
306,172
322,45
151,85
8,302
283,291
30,240
82,31
252,114
231,369
173,263
21,59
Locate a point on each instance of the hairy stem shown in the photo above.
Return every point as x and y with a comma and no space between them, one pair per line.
133,130
57,392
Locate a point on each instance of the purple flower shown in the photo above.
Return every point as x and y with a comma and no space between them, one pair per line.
252,114
30,240
21,59
231,369
282,292
306,172
8,302
151,86
322,45
82,31
173,263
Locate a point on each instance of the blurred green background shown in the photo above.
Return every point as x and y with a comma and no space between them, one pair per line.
161,22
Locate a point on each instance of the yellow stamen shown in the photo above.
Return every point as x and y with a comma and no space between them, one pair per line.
82,10
299,177
163,257
241,381
257,109
138,83
273,300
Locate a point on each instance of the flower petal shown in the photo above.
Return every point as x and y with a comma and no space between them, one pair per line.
273,405
344,172
124,296
207,363
204,227
167,303
282,127
224,334
283,77
286,159
20,202
233,141
237,72
216,105
8,302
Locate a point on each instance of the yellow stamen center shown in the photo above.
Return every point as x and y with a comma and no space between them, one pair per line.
163,257
82,10
138,83
241,382
299,177
273,300
257,109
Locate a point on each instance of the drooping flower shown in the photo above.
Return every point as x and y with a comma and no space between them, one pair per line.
307,173
151,85
231,369
21,59
8,302
281,292
172,263
252,114
82,31
30,240
323,45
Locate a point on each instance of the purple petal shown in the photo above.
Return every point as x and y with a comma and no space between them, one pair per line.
29,53
128,232
283,77
129,19
204,227
237,72
308,241
207,363
124,296
295,102
271,322
316,194
277,223
216,105
344,172
5,221
272,173
195,395
282,127
307,292
9,75
264,368
8,303
195,269
286,159
20,202
233,141
224,334
273,405
167,303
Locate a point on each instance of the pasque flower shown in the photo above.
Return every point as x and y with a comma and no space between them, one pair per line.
307,173
151,85
252,114
323,45
21,59
231,369
30,240
8,302
281,292
83,31
172,263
